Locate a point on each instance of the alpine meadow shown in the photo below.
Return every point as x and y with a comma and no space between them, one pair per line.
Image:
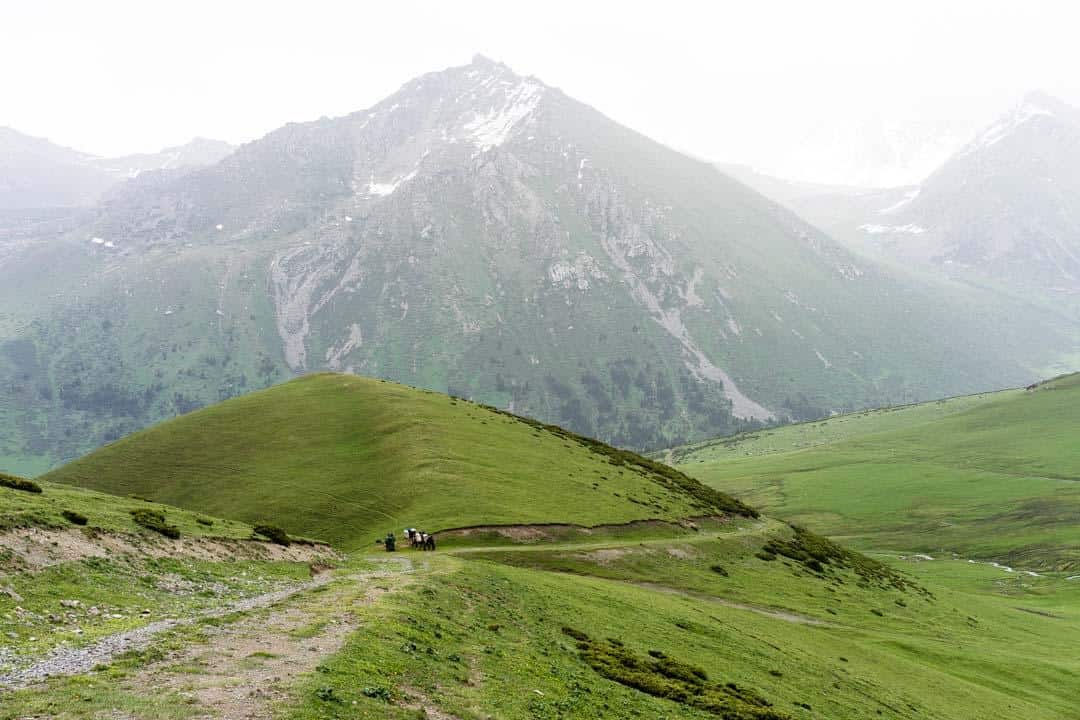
691,363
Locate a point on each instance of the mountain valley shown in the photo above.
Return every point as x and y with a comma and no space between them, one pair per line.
482,234
477,403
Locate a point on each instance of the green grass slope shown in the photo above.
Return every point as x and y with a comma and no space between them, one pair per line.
990,476
101,511
346,459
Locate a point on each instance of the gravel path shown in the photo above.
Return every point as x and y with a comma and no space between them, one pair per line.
72,661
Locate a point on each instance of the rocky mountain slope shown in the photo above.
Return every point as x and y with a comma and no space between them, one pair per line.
1000,210
1005,205
480,233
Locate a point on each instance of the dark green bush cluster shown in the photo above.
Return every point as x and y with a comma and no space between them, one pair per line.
18,483
818,554
155,520
706,499
73,517
662,676
205,521
376,692
327,694
273,534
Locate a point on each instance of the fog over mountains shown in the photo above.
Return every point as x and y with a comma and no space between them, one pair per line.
999,211
36,173
482,233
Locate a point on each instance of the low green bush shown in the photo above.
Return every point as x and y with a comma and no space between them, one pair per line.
819,554
155,520
73,517
662,676
273,534
18,483
204,521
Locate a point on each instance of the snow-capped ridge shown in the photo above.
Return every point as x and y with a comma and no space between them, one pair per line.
1033,105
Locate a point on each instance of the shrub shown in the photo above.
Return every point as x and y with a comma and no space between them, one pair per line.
155,520
18,483
273,534
819,555
576,634
204,521
378,693
327,694
662,676
719,570
73,517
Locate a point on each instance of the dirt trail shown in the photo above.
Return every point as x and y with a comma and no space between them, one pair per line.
248,665
72,661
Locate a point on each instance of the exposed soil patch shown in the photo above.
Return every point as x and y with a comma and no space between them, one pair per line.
606,556
681,553
36,548
421,703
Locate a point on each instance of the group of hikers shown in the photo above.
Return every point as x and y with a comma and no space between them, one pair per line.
417,540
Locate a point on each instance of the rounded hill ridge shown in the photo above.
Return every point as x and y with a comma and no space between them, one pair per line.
345,459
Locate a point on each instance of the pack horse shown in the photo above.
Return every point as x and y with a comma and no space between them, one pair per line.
419,540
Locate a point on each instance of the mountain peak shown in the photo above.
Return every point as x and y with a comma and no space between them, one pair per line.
1035,104
483,60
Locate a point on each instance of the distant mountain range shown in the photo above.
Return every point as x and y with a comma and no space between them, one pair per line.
480,233
1002,212
35,173
894,147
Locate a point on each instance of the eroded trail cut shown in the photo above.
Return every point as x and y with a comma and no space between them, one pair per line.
320,606
246,666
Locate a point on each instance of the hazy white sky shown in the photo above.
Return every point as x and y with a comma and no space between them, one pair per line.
724,80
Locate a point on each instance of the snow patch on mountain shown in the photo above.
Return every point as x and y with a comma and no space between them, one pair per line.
384,189
493,128
909,196
1008,124
909,229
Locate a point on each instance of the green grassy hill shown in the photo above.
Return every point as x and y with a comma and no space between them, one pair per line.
346,459
993,476
744,620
